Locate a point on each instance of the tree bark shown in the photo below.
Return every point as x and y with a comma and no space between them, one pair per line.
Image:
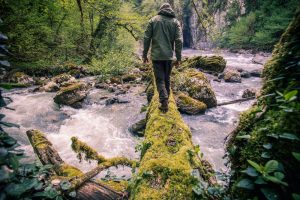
89,190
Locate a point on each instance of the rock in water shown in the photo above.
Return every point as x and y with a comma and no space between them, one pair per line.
256,73
209,64
249,93
72,94
50,87
19,77
245,74
259,59
196,85
189,105
138,128
232,76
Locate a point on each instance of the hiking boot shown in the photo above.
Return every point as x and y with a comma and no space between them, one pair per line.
164,107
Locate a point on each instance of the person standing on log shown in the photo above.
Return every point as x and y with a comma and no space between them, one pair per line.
163,33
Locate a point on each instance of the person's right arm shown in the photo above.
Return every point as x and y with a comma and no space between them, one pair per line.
178,42
147,41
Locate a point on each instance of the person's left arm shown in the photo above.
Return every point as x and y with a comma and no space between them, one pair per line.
147,41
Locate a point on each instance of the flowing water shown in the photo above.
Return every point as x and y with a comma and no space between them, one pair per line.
105,128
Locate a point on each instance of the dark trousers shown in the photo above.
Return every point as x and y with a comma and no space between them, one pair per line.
162,71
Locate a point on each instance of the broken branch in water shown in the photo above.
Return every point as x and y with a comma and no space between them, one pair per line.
85,188
80,148
236,101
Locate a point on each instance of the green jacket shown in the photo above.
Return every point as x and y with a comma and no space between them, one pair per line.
163,32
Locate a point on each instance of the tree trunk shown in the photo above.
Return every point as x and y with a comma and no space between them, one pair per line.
89,190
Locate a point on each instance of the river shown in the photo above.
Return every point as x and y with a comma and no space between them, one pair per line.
105,128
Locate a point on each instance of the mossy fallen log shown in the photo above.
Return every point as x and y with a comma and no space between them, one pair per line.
168,157
85,188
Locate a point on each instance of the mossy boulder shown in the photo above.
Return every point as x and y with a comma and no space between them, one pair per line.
189,105
197,86
232,76
214,64
129,77
18,77
138,128
72,94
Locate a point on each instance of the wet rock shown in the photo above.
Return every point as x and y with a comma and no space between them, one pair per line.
259,59
129,77
138,128
50,87
205,63
240,70
196,85
116,80
217,80
221,76
249,93
189,105
245,74
71,94
59,79
114,100
111,88
19,77
256,73
101,85
232,76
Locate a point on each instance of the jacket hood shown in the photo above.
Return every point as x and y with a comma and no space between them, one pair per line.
166,10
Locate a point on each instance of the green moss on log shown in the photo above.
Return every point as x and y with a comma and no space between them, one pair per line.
167,161
209,64
120,186
89,153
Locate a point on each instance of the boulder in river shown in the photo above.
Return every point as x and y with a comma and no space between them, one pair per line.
129,77
245,74
50,87
232,76
189,105
19,77
249,93
196,85
209,64
114,100
71,94
138,128
256,73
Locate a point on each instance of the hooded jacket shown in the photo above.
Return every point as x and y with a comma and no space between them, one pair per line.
163,33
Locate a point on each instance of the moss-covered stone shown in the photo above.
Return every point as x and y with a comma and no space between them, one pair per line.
138,128
71,94
209,64
196,85
232,76
167,162
129,77
189,105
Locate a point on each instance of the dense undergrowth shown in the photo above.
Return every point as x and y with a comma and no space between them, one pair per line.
260,26
264,149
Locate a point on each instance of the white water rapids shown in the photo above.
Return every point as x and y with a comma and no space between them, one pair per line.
105,128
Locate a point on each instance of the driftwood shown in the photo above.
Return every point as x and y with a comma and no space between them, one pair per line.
235,101
85,189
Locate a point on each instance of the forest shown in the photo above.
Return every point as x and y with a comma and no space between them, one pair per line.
80,110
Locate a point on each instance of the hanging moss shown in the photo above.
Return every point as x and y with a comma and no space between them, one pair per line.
167,162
